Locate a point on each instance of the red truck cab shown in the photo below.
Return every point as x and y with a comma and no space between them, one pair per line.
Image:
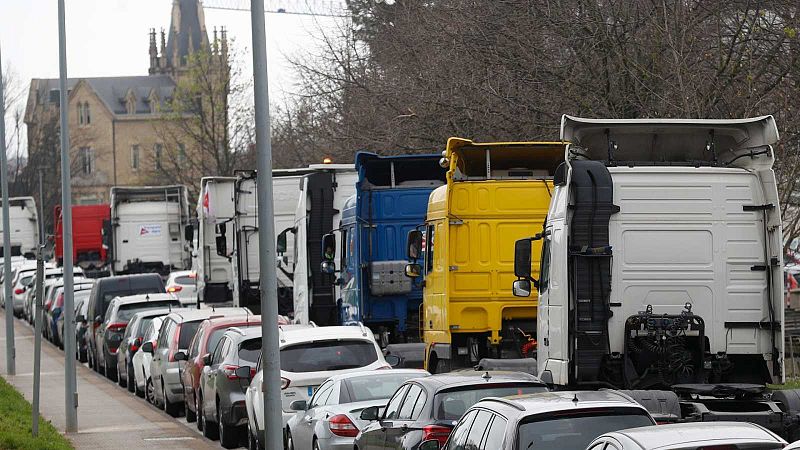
87,235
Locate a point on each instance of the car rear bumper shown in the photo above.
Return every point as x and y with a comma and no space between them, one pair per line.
336,443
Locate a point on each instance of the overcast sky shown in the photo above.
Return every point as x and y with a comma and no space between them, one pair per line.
110,37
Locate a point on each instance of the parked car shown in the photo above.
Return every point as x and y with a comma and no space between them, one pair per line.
205,341
183,283
132,341
310,355
561,419
106,289
51,276
19,285
405,422
176,334
331,419
697,435
143,385
108,335
81,305
54,315
221,408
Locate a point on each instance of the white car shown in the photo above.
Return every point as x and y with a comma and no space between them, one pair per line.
141,362
310,355
793,446
183,284
695,435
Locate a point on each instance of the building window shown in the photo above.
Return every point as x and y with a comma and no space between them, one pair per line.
81,119
87,160
135,157
158,149
87,119
131,105
181,154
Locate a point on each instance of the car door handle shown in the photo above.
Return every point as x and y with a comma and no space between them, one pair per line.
308,419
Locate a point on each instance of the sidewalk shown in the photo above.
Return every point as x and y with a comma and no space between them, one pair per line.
109,417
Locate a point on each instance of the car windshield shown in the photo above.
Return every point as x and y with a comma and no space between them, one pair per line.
577,429
452,404
25,280
127,311
249,351
327,355
188,330
109,295
377,387
213,340
185,280
143,324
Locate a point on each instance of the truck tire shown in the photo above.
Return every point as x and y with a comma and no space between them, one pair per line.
789,402
664,406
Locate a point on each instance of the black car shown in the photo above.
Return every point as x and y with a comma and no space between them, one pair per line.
131,341
108,336
428,408
104,290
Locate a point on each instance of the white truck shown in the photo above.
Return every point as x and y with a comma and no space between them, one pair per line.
661,268
215,208
148,229
24,222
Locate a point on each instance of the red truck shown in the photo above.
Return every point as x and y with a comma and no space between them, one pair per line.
87,235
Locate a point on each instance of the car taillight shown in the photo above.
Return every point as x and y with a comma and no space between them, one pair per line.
341,425
284,383
135,345
436,432
18,291
117,327
173,289
230,372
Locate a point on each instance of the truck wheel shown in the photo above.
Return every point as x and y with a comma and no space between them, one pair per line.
789,402
664,406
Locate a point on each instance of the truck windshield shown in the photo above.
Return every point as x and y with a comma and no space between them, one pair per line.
576,429
452,404
327,355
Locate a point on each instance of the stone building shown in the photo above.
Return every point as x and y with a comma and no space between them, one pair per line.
117,124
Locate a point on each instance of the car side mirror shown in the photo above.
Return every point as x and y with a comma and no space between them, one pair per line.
522,288
414,245
393,360
413,270
298,405
207,359
80,318
430,444
327,267
243,372
147,347
180,356
98,320
328,247
370,413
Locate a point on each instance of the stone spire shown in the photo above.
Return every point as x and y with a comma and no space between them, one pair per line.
153,52
187,31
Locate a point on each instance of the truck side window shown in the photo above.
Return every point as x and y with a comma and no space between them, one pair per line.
345,251
544,272
429,248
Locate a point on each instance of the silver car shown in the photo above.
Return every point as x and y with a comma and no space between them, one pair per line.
696,435
174,337
330,420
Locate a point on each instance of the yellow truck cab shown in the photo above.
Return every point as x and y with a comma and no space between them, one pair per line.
495,194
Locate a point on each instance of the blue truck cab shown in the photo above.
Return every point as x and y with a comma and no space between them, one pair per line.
391,199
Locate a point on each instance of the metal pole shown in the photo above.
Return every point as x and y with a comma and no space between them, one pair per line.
41,210
10,351
37,337
270,357
70,386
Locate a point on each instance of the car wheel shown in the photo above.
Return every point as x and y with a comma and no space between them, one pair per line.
289,444
316,444
110,373
191,416
150,392
120,382
228,434
209,430
136,390
129,381
173,409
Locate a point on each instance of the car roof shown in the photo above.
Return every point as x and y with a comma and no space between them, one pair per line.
183,315
671,435
244,332
133,277
180,273
372,374
151,313
292,334
221,322
459,379
144,298
554,401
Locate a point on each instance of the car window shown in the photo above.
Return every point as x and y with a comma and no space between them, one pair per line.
249,351
188,330
598,446
393,407
364,389
327,355
478,429
125,312
423,397
164,332
459,435
109,313
185,280
406,409
322,394
578,428
451,404
219,352
497,430
194,349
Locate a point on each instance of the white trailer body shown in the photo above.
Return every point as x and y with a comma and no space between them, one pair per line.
148,229
662,261
324,193
214,272
23,219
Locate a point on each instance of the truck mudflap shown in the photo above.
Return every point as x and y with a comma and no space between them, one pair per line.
526,365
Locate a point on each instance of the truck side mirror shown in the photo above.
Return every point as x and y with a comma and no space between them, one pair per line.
522,288
280,242
188,233
413,270
522,259
327,267
414,245
328,247
222,229
222,245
